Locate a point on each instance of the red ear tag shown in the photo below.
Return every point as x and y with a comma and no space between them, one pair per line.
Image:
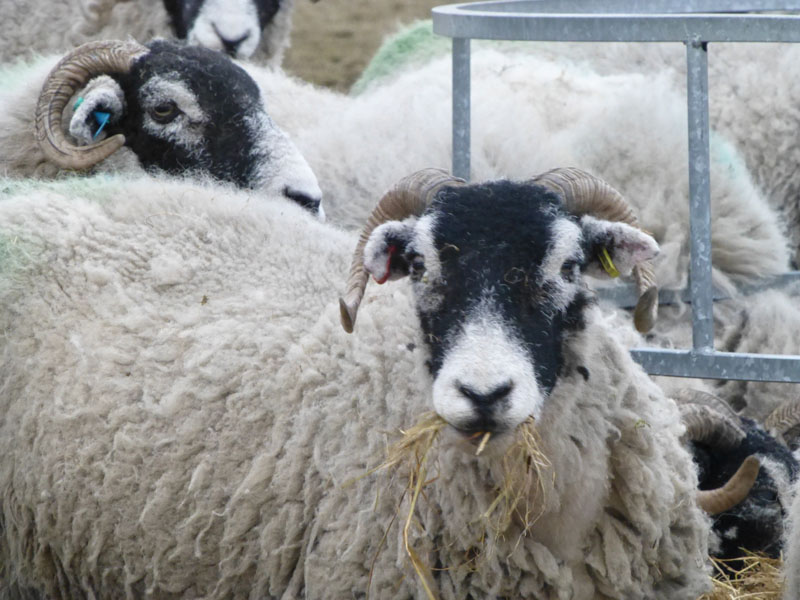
392,249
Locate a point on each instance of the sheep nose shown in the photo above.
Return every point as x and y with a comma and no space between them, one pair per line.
486,400
231,45
305,199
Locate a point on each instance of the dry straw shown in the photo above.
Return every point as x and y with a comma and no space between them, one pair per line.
758,578
520,496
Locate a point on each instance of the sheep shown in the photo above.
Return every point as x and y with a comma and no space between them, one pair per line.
184,417
171,108
243,28
748,105
532,114
721,442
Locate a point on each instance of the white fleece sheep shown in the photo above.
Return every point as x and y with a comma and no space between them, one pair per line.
529,115
751,106
182,413
31,28
753,102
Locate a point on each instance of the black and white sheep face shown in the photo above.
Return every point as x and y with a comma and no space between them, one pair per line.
234,26
496,271
757,523
189,109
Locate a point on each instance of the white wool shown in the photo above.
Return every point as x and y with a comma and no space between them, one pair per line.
31,28
183,413
792,545
529,115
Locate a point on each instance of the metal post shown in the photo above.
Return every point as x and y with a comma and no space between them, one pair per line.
699,197
461,108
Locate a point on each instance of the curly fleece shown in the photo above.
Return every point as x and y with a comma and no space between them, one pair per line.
183,413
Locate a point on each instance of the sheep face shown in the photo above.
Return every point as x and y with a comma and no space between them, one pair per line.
496,272
233,26
757,523
190,109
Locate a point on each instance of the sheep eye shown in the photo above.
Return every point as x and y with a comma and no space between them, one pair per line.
164,112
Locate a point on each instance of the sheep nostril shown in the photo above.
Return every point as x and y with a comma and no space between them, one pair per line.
488,398
310,203
231,46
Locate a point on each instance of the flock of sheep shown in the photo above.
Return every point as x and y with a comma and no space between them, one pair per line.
184,414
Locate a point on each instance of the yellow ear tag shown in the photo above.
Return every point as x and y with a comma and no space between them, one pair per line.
608,265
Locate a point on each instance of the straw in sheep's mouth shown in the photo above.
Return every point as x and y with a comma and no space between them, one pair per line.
520,495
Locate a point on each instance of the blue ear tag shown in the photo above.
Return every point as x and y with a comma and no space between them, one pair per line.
101,118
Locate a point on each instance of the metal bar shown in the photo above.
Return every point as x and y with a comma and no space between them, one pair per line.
616,27
719,365
700,284
631,6
461,108
626,296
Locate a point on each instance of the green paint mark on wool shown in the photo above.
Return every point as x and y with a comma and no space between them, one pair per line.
93,188
16,73
411,46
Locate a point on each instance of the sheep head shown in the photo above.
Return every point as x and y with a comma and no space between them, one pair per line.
496,272
233,26
179,109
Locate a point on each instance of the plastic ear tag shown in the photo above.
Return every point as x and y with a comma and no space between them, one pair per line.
608,264
101,118
78,102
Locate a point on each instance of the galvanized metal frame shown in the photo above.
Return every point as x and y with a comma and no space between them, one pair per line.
693,22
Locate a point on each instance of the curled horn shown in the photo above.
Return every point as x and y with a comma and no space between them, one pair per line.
70,74
410,196
709,419
734,491
706,426
784,419
692,396
584,193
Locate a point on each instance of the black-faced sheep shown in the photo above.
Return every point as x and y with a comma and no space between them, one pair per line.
184,417
242,28
722,442
182,110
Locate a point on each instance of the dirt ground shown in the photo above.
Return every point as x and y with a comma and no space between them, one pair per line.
333,40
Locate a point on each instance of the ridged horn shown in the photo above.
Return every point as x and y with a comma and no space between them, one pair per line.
410,196
784,419
734,491
70,74
707,426
693,396
583,194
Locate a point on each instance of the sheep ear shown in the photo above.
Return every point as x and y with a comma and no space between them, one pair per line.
616,247
99,105
384,252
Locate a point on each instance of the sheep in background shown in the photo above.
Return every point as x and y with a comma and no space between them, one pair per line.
721,442
182,410
243,28
172,108
751,107
532,114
